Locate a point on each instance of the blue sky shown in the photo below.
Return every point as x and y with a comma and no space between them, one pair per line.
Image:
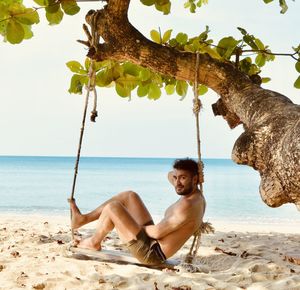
40,117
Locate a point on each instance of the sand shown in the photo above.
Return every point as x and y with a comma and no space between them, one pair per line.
34,255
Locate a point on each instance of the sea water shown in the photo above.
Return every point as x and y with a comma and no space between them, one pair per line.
43,184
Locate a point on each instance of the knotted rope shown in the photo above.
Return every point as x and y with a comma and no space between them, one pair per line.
205,227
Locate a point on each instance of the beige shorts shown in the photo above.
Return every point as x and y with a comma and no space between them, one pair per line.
146,249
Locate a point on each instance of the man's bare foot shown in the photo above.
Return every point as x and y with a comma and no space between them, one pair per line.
88,243
78,219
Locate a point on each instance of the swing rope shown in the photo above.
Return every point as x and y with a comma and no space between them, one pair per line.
205,227
197,105
90,87
93,39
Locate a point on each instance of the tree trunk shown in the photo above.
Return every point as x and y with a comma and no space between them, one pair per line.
270,143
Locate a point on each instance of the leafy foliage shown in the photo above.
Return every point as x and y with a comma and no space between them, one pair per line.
282,4
297,67
16,19
165,5
126,77
192,5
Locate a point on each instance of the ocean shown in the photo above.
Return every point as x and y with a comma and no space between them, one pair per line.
43,184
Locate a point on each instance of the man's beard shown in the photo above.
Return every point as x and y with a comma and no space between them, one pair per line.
186,191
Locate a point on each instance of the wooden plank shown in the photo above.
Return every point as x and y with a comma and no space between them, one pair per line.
117,257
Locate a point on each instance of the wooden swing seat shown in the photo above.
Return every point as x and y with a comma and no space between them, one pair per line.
118,257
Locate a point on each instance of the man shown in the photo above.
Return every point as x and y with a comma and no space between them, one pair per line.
126,212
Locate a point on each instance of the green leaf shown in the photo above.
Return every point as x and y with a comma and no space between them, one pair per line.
30,16
53,8
259,44
265,80
181,88
211,51
104,78
14,32
167,36
125,84
297,83
164,6
173,42
245,64
122,91
55,18
117,71
181,38
130,68
269,57
3,11
202,89
170,89
28,32
41,2
226,46
76,67
260,60
70,7
242,30
249,39
193,8
268,1
283,6
148,2
15,8
77,82
154,92
187,4
297,66
144,74
155,36
143,91
203,35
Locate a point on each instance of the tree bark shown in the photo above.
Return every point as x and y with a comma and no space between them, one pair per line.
270,143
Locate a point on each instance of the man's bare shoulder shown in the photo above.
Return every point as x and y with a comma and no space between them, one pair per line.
192,205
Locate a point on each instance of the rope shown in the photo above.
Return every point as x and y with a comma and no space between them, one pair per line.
94,113
196,110
91,75
197,105
93,39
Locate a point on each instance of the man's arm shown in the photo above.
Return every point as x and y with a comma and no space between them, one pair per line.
178,219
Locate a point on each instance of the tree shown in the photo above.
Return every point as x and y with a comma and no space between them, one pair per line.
125,57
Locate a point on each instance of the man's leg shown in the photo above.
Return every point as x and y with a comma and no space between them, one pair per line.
129,199
113,215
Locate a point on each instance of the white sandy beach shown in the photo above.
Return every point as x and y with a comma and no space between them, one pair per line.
33,255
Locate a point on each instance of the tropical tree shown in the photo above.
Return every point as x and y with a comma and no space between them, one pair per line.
120,55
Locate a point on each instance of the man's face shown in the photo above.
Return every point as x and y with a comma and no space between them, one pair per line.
184,182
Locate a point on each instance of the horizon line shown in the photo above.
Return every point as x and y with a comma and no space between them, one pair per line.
125,157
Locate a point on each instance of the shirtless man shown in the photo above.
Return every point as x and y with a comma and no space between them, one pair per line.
126,212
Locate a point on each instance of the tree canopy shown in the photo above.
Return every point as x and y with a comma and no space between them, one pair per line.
248,53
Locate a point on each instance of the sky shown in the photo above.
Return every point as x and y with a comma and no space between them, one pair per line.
39,117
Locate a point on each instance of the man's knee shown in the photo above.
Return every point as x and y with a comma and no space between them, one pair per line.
133,195
129,195
113,206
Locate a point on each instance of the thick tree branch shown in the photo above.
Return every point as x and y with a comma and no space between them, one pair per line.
270,143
